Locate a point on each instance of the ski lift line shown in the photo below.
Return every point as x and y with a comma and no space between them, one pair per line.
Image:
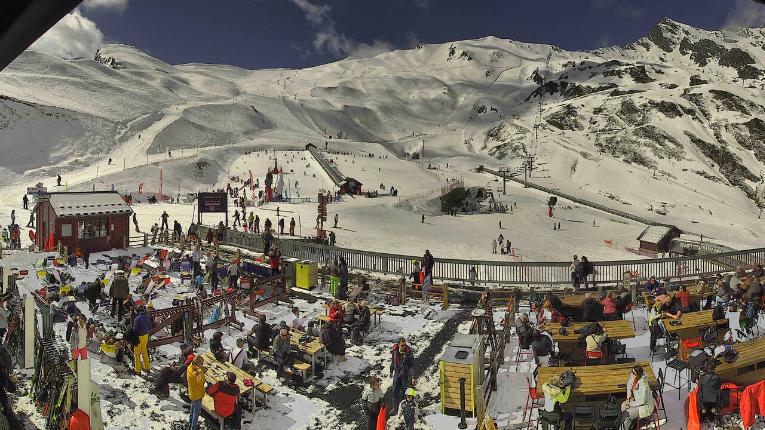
579,200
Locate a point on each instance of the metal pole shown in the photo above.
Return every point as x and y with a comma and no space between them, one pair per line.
463,423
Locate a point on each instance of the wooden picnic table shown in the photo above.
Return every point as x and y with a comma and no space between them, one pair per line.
749,367
692,323
311,349
619,329
215,371
572,300
598,381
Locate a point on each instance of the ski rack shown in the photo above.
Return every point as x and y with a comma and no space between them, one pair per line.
195,311
50,384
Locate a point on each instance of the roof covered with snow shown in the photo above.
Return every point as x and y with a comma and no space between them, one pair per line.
89,204
655,233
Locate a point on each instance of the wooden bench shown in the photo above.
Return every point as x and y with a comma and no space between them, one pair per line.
440,292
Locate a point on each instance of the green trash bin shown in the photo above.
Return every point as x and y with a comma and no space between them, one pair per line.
334,283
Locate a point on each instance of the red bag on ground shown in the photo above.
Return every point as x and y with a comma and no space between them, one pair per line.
382,418
79,420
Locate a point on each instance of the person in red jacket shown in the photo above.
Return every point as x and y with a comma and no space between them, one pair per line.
225,395
752,403
336,312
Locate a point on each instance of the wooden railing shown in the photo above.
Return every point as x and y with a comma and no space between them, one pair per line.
505,272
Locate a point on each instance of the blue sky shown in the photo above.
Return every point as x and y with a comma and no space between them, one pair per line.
301,33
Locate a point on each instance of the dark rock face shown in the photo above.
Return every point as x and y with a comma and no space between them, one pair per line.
731,102
565,118
730,164
701,51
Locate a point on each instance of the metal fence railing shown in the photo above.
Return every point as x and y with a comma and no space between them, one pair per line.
502,272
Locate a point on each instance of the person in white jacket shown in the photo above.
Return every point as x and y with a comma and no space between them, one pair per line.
639,403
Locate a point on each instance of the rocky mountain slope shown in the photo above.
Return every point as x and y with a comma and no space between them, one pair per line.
676,116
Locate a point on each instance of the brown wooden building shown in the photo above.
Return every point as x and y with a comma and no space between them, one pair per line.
91,221
658,238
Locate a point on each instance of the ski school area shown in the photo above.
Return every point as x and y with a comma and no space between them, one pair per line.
212,327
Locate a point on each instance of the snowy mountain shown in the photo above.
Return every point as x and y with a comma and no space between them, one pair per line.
675,116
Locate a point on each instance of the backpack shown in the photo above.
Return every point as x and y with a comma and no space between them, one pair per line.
567,378
718,313
750,312
709,335
131,337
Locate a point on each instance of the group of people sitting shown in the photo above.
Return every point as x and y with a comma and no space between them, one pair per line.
265,337
638,405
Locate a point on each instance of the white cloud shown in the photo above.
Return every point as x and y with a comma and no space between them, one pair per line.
316,14
117,5
328,39
746,13
73,36
340,45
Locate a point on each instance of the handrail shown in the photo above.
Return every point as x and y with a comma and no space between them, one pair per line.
505,272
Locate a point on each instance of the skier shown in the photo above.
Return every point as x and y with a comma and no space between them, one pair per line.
256,225
422,220
169,154
58,180
13,216
281,225
500,224
509,247
331,238
31,223
110,161
494,246
292,226
236,218
267,224
177,230
25,200
251,220
154,230
135,223
164,217
335,221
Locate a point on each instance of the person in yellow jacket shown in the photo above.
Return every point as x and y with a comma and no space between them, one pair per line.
195,380
142,328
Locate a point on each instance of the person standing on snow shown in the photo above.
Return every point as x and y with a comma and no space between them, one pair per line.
335,221
154,231
25,201
58,180
135,223
31,223
141,327
372,398
236,218
195,381
409,409
402,371
164,217
292,226
13,216
256,225
119,291
494,246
